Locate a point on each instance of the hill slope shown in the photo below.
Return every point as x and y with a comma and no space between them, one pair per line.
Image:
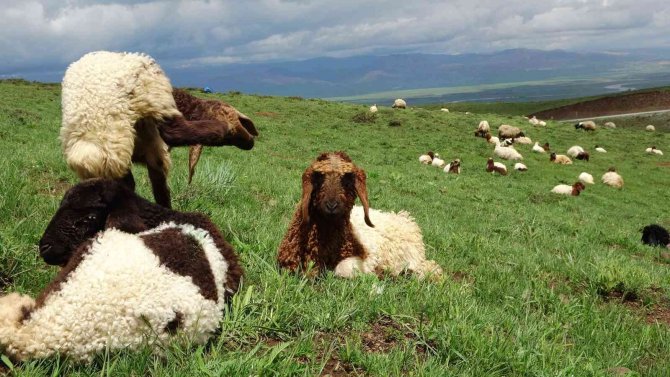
535,284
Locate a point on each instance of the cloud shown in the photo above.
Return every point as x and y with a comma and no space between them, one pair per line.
47,35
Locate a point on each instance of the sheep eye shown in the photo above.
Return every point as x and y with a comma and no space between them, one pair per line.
92,217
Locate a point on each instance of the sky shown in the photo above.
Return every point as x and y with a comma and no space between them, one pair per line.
43,37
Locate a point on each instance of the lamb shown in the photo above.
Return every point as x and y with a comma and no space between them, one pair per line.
609,125
655,235
427,158
573,190
650,128
523,140
520,167
653,150
399,104
600,149
328,231
507,131
453,167
495,167
437,161
560,159
134,273
612,178
588,125
537,148
578,152
585,177
492,139
119,108
507,153
373,108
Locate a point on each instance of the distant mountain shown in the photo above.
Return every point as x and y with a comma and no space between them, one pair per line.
352,76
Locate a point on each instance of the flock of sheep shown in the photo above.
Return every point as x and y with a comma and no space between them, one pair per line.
136,272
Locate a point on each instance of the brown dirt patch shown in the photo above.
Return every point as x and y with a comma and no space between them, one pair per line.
664,164
56,187
658,312
268,114
460,276
622,104
5,280
386,334
326,347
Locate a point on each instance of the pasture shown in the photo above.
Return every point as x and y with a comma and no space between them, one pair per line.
535,284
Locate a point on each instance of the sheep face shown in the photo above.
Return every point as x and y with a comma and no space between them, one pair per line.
82,213
330,186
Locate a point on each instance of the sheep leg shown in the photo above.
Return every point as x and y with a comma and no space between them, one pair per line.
159,186
129,180
178,132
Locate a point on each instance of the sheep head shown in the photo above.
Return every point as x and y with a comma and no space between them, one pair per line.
86,209
330,186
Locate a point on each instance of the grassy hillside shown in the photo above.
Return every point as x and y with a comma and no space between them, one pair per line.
535,284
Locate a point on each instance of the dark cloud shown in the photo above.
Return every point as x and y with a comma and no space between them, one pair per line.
47,35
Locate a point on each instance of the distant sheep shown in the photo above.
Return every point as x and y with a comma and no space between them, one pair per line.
444,110
427,158
655,235
492,139
537,148
533,120
453,167
609,125
121,289
507,153
560,159
588,125
585,177
573,190
523,140
437,161
484,126
612,178
330,233
507,131
600,149
653,150
399,104
578,152
373,108
496,167
520,167
650,128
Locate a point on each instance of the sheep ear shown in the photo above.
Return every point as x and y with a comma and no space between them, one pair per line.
362,192
247,123
194,152
307,189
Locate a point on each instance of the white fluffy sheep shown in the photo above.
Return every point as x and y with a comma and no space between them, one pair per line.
609,125
427,158
507,153
520,167
600,149
612,178
118,293
575,150
523,140
444,110
650,128
537,148
437,161
653,150
533,120
507,131
573,190
484,126
399,104
373,108
585,177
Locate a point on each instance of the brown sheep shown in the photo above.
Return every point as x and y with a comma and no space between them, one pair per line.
328,232
560,159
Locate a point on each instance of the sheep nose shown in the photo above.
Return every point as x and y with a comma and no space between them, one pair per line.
331,205
45,248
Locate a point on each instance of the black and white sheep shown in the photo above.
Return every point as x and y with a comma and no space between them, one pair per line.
134,273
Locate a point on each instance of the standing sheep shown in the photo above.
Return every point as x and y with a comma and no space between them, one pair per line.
118,289
588,125
119,108
506,131
399,104
328,231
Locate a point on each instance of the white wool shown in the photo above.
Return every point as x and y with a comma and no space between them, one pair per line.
601,150
523,140
658,152
425,159
562,189
586,178
395,244
373,108
652,150
438,162
445,110
650,128
563,159
399,103
104,94
588,125
575,150
519,166
500,165
505,130
610,125
533,120
612,179
507,153
448,167
494,140
542,123
119,296
484,126
537,148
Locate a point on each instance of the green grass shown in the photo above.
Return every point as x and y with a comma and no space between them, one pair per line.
525,271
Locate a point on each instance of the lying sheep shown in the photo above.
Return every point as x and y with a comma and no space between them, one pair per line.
507,153
573,190
588,125
612,178
399,104
373,109
560,159
427,158
119,108
585,177
600,149
609,125
495,167
578,152
134,273
506,131
523,140
653,150
650,128
330,233
453,167
537,148
520,167
437,161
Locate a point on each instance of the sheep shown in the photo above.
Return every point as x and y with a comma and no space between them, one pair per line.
560,159
453,167
655,235
523,140
612,178
373,108
578,152
507,131
134,273
119,108
492,139
573,190
484,126
537,148
520,167
330,233
588,125
437,161
650,128
653,150
399,104
533,120
609,125
507,153
495,167
585,177
427,158
542,123
444,110
600,149
546,147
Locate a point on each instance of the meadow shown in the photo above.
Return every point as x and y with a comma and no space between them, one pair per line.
535,284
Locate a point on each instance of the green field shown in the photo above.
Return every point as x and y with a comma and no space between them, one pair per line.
535,284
